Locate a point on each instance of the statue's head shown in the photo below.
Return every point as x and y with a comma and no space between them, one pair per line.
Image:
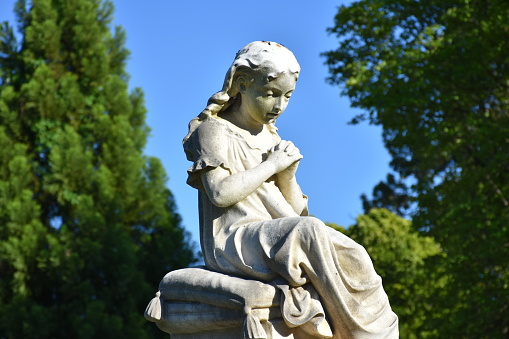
257,61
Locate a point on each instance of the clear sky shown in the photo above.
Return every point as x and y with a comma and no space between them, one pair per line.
180,52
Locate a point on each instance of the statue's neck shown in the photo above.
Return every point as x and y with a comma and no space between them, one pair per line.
244,121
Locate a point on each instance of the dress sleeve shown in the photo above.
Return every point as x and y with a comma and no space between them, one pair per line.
206,147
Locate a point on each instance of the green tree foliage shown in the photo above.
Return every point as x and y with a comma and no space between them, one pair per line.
392,194
87,227
434,74
399,254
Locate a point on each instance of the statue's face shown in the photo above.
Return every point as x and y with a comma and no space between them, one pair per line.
265,100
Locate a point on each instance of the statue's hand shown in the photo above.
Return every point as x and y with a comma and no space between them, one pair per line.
285,156
289,172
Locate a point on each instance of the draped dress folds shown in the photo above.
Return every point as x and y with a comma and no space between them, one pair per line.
321,272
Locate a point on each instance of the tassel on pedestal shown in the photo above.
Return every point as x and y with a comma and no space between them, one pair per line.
252,328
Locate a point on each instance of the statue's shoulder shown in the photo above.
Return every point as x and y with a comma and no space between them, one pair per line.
207,133
212,124
200,128
212,129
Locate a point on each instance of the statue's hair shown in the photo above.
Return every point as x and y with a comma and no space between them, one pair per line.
259,55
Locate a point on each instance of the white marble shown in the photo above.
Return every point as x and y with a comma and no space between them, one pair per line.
277,264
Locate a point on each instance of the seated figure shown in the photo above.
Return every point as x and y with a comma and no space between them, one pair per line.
271,270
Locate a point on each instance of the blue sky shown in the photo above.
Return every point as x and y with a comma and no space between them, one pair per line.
180,52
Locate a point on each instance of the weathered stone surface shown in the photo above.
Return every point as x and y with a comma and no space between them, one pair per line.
283,274
194,300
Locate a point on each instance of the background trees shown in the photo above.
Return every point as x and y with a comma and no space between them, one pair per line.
87,227
435,76
399,254
73,227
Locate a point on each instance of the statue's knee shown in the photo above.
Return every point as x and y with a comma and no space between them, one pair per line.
363,258
365,255
314,223
312,229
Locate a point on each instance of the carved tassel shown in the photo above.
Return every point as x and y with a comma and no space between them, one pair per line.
153,310
252,328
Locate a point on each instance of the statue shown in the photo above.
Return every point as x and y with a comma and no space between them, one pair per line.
271,271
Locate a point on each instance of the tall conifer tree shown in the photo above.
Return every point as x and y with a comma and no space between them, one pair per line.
87,227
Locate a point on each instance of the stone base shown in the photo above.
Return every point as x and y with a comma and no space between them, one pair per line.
195,303
276,329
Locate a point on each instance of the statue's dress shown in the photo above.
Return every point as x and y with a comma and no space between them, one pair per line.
262,238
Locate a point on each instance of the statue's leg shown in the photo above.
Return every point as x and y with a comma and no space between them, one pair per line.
304,250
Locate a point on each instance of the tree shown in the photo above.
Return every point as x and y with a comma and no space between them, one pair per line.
399,254
392,194
434,75
87,226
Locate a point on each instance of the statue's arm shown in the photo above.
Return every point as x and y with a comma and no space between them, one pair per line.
225,189
287,183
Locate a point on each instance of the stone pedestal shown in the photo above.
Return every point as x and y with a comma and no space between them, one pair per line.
196,303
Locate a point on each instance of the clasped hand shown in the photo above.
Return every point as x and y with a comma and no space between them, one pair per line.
285,156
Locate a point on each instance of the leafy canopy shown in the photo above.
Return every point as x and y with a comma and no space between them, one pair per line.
400,254
434,74
87,226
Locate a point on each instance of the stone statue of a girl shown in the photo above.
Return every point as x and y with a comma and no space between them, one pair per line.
253,215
